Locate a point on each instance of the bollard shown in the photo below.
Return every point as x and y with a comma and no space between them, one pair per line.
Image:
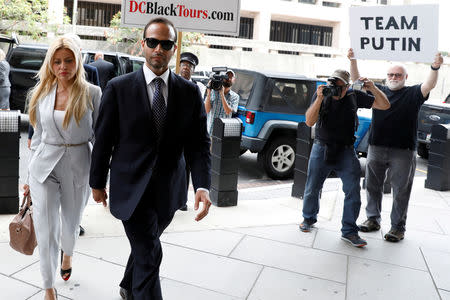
302,152
438,175
9,161
226,145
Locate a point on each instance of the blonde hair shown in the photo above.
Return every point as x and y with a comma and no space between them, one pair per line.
2,55
79,99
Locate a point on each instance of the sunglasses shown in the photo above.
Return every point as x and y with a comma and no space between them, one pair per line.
153,43
394,75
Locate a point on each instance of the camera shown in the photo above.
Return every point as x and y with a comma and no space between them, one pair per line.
331,89
358,85
217,77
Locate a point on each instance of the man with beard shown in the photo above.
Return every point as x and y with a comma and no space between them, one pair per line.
188,62
222,103
392,144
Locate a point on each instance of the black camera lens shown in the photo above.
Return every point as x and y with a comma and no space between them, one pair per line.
331,90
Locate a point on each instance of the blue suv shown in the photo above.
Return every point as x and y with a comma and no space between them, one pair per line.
271,106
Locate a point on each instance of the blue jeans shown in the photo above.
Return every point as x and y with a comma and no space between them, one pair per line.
347,167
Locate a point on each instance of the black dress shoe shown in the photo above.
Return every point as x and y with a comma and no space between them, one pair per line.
184,208
81,231
125,294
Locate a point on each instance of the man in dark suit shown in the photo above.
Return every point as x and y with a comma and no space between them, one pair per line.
91,74
105,69
147,120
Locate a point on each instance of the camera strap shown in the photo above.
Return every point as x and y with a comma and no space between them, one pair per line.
354,104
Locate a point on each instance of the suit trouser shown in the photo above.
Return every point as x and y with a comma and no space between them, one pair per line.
402,166
58,190
143,230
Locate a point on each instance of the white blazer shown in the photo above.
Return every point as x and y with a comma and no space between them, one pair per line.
47,143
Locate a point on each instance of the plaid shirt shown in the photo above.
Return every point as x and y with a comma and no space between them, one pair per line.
217,110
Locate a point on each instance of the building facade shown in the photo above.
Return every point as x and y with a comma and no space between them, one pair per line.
298,36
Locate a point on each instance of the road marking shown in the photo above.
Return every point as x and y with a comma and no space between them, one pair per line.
421,171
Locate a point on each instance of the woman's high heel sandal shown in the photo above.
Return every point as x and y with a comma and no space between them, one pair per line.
65,274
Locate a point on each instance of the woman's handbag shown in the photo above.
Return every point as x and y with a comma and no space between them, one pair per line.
21,229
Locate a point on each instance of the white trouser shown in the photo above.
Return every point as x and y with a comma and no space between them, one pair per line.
57,190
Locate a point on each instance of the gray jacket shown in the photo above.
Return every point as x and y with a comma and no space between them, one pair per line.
47,143
4,74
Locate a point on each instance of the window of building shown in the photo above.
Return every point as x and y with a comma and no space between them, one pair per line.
307,1
93,13
330,4
245,32
300,34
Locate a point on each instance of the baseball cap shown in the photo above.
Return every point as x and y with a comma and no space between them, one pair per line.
231,71
342,75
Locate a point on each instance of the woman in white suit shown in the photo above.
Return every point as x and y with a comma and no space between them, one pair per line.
63,110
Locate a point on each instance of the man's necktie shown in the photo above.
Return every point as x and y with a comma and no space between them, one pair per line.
158,107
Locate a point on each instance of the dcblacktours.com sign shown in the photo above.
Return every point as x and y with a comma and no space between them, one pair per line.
207,16
397,33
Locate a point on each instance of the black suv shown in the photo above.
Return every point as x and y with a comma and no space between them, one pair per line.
26,60
123,63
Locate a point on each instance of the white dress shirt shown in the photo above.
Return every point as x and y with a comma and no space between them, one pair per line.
149,76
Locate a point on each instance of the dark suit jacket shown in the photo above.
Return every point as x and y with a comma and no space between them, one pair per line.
91,74
105,70
125,134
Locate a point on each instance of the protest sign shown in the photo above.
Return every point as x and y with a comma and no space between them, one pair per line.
397,33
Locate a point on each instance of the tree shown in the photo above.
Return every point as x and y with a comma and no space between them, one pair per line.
132,36
128,35
25,16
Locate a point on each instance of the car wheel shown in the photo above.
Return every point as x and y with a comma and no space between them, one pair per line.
422,150
279,158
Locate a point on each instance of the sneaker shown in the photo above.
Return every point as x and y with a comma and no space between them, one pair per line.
355,240
305,226
369,225
394,235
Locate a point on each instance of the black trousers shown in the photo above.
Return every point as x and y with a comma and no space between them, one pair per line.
143,230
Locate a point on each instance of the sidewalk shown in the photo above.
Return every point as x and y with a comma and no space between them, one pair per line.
256,251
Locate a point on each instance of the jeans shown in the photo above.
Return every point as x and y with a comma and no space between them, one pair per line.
402,165
347,167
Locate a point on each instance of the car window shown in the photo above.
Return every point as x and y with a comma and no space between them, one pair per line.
30,59
113,59
136,64
243,86
289,96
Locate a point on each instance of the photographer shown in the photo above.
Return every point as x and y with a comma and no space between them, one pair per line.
334,108
221,102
